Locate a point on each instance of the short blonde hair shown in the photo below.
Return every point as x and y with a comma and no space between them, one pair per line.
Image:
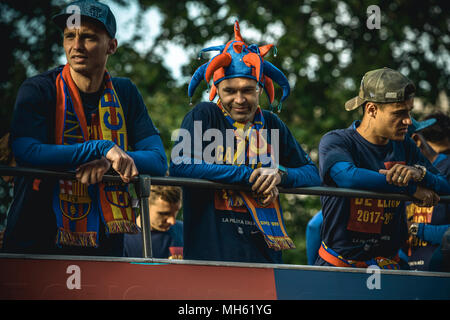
170,194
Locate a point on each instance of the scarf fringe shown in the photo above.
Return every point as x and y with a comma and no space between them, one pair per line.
279,243
121,226
79,239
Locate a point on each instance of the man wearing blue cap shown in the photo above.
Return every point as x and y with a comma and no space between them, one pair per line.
78,117
373,154
438,135
251,147
426,225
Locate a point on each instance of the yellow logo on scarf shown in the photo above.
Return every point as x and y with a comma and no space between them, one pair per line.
112,120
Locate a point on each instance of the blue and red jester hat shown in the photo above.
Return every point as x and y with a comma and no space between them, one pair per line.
236,59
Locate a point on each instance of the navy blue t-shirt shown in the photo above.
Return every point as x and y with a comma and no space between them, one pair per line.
31,225
165,244
359,228
442,163
34,110
214,230
419,250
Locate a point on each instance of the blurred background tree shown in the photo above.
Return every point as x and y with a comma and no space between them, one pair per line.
324,48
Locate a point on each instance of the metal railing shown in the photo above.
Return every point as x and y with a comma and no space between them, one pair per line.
143,184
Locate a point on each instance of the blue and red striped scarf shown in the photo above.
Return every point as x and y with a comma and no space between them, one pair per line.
79,208
252,145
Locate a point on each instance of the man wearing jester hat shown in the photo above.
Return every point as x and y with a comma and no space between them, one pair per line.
234,141
78,117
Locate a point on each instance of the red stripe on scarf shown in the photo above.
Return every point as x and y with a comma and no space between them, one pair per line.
66,221
60,110
60,103
81,224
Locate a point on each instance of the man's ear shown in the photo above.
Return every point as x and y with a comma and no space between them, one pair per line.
416,139
112,46
371,109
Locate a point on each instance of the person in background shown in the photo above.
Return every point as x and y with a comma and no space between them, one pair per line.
6,155
313,240
426,225
443,255
438,135
166,230
6,182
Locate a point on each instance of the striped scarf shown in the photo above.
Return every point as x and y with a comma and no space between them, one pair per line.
251,146
79,208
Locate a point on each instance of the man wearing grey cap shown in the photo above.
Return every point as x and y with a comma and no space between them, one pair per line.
78,117
374,154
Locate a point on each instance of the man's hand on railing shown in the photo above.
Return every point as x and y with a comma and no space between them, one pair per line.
264,182
425,197
122,163
271,196
400,175
92,172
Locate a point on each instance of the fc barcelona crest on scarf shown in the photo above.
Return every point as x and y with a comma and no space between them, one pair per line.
74,201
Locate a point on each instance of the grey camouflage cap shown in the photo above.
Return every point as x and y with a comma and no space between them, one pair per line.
383,86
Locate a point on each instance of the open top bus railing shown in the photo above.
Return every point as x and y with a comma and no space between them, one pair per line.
208,279
143,183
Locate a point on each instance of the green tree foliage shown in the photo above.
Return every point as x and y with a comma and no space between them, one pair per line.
30,46
324,48
166,102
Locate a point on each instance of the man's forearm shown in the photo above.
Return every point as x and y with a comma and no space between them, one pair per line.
31,152
304,176
216,172
347,175
149,156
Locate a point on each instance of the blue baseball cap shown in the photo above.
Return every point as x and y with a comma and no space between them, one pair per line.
416,126
90,9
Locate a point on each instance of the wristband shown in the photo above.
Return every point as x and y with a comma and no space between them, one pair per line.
423,172
283,172
414,228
